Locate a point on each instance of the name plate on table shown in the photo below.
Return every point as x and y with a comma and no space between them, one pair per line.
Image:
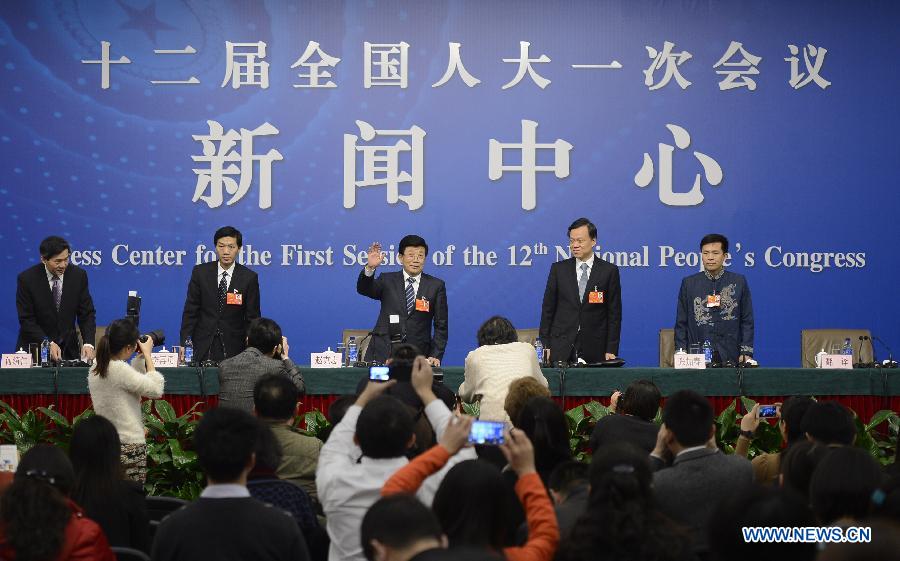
16,360
328,359
9,458
837,362
165,360
689,362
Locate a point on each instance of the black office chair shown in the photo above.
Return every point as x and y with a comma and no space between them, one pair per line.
129,554
160,507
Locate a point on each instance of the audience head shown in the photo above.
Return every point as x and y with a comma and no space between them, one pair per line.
758,506
267,450
338,408
497,331
399,527
121,336
520,391
402,358
793,410
95,453
798,463
265,335
843,484
640,399
620,519
565,479
225,441
384,428
829,423
545,425
275,398
689,418
884,545
471,505
34,510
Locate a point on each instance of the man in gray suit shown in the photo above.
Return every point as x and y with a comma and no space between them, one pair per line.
266,353
700,475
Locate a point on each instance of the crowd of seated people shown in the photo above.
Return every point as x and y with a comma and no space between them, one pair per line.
397,479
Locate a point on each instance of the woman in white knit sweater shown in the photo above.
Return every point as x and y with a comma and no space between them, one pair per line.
499,359
117,388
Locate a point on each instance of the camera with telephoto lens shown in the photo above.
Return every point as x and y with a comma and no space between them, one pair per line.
157,336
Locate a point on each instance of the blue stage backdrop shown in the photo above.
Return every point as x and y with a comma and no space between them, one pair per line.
135,128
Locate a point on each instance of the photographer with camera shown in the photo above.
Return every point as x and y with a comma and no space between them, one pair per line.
117,388
266,353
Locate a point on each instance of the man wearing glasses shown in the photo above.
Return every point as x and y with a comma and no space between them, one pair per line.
581,316
412,302
222,299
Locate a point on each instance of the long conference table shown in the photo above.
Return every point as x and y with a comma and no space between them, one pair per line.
864,390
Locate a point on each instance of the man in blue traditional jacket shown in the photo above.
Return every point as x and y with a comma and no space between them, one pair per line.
715,305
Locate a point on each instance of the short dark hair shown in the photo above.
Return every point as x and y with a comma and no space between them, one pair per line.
567,475
497,331
543,420
829,422
397,521
592,230
275,397
412,240
689,416
384,427
843,483
228,232
53,245
715,238
225,439
50,464
471,504
641,399
338,408
798,463
793,410
264,334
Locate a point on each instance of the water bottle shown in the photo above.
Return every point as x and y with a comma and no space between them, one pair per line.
352,351
45,352
188,351
539,349
847,348
707,352
819,356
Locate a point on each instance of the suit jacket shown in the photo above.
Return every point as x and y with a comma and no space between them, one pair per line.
239,374
416,327
38,316
690,490
567,322
201,318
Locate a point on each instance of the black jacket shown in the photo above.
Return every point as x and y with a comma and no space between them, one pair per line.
201,318
416,328
567,323
38,316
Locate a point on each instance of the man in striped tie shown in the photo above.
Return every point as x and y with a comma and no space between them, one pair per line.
50,297
413,304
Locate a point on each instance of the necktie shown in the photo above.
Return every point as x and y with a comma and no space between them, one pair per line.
57,291
223,288
582,280
410,295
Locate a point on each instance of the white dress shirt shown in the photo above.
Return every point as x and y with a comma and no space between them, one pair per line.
590,264
416,280
228,272
348,483
50,279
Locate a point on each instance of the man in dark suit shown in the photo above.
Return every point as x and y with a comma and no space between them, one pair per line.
689,490
581,316
49,299
411,303
222,299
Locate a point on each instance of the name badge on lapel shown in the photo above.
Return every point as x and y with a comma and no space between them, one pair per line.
713,300
234,298
422,305
595,296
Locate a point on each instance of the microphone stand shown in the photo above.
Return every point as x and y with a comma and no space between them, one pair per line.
362,363
860,363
